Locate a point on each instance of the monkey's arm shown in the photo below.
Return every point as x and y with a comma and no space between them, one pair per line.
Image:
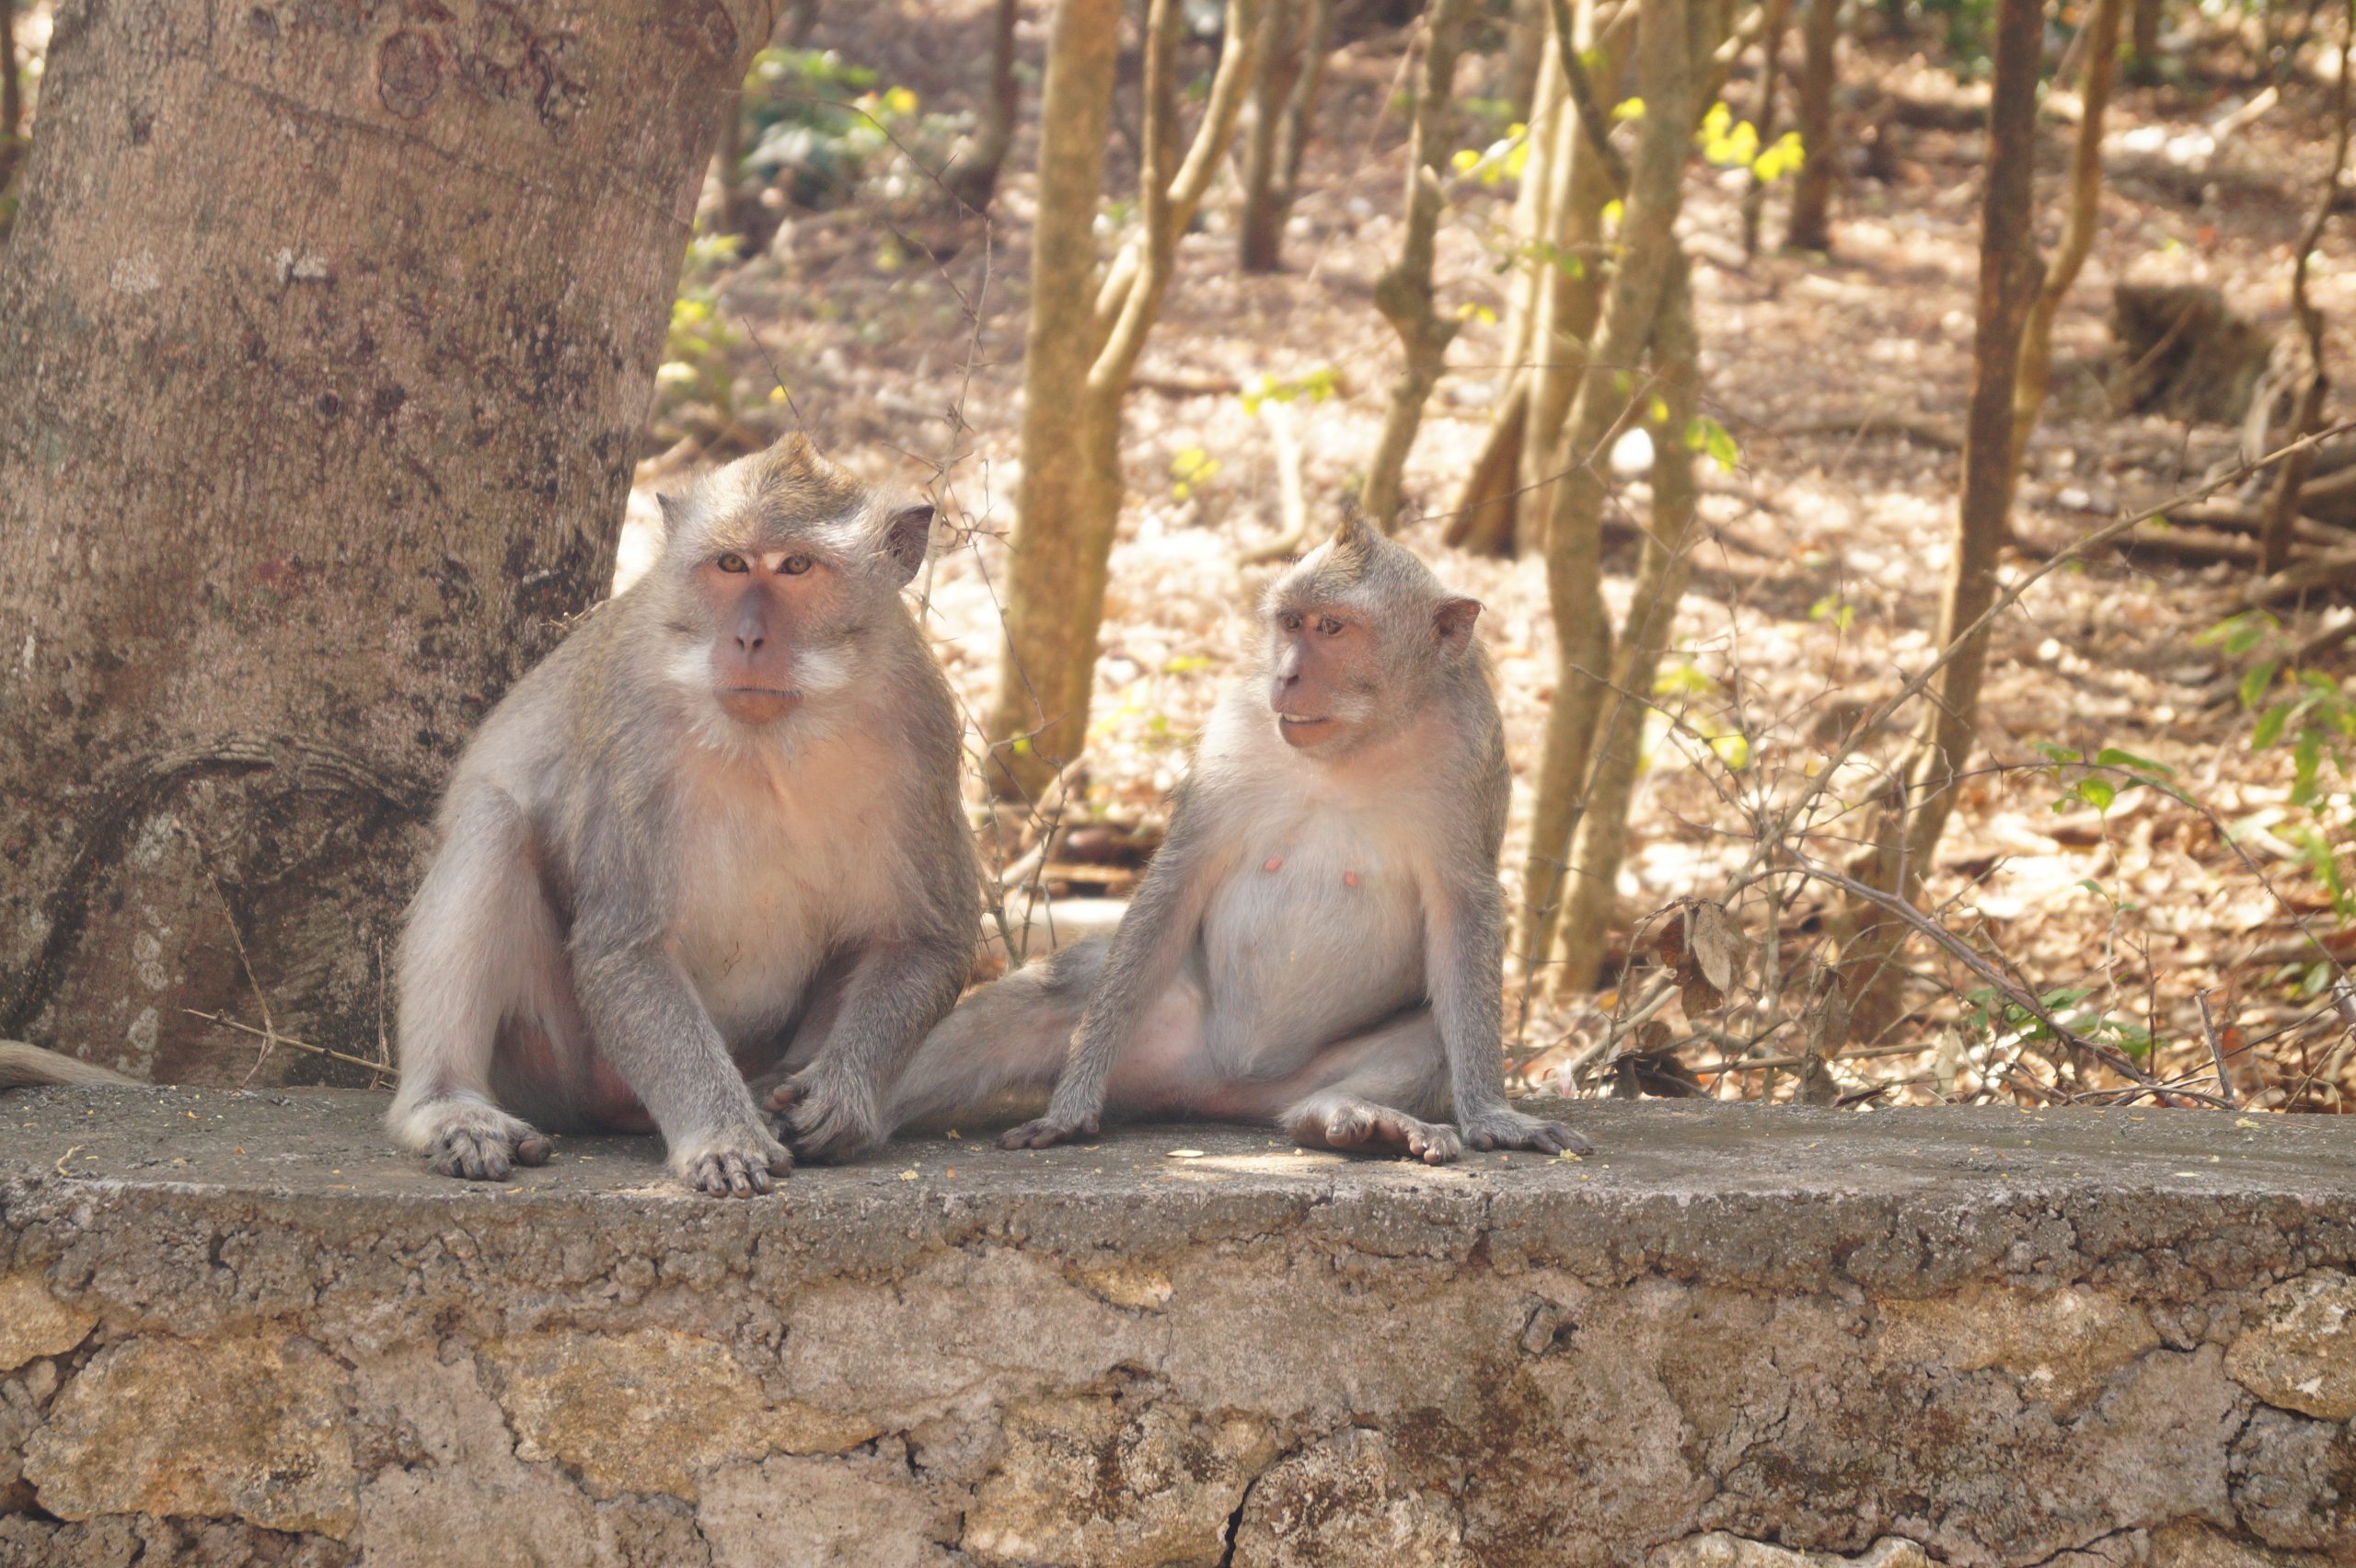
895,991
1152,941
1464,956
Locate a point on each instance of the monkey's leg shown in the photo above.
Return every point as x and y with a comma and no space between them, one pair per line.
480,941
1014,1033
1364,1094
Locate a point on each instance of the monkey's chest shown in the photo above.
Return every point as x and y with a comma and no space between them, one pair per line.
1317,935
765,897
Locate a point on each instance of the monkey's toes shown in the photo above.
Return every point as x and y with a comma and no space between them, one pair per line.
729,1175
1040,1133
478,1154
783,1097
1435,1145
1514,1130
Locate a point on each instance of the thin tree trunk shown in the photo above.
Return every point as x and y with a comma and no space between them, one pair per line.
2010,274
1609,391
1031,740
1403,292
1601,839
1572,268
1771,87
1808,226
973,178
1080,352
1285,82
2282,504
2143,51
2077,228
12,93
328,342
1560,221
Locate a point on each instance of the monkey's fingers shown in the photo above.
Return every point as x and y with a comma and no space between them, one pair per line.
533,1148
473,1155
784,1096
729,1174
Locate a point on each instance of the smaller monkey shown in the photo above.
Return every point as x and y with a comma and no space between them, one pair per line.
716,835
29,1067
1320,939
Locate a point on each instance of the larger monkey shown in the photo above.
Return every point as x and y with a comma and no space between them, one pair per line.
716,833
1320,939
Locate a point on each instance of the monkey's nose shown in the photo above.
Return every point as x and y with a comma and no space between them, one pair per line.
752,644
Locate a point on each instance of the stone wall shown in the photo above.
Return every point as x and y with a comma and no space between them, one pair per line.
234,1328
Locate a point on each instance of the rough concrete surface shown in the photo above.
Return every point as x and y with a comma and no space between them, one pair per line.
237,1328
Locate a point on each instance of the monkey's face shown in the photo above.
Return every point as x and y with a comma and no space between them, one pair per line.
765,609
1324,679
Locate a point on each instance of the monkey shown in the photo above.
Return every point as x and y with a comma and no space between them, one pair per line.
29,1067
1319,940
716,838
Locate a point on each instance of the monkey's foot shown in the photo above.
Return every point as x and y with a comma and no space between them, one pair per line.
733,1164
823,1119
1502,1128
477,1144
1048,1130
1362,1126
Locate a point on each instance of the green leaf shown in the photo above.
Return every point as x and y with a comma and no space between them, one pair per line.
2097,793
2259,678
2056,754
2111,756
2269,728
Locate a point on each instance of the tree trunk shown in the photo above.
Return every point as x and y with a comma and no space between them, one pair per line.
1606,395
1558,219
12,95
2077,227
330,335
1291,67
2143,51
1909,828
1601,840
973,179
2314,381
1403,292
1082,348
1808,226
1771,87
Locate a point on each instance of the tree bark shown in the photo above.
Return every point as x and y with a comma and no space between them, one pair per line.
330,335
1609,391
2077,227
973,179
1080,350
2315,382
1809,226
12,95
1909,825
1600,842
1403,292
1290,70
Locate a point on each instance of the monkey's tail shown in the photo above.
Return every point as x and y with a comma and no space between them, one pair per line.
1011,1034
29,1067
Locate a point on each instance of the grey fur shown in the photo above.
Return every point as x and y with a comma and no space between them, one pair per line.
29,1067
1320,939
633,886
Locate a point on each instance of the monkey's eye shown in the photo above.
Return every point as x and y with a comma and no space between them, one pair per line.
1290,621
731,562
1329,626
795,565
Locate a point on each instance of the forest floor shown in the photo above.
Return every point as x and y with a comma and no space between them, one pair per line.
898,336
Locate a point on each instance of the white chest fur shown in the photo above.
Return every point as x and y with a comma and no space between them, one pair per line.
789,860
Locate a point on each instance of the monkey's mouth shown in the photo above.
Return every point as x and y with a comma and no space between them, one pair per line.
1301,730
757,705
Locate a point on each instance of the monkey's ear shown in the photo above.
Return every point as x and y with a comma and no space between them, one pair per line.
1453,621
905,537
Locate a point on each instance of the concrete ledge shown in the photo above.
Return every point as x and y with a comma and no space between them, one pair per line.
234,1328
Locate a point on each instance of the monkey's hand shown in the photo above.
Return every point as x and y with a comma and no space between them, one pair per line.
1048,1130
734,1162
827,1115
1506,1128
